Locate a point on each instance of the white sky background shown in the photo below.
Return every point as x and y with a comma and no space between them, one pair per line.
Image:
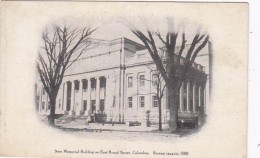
110,28
114,28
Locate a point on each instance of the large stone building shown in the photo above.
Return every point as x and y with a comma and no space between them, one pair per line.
113,78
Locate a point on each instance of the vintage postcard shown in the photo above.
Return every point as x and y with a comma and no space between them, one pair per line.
124,79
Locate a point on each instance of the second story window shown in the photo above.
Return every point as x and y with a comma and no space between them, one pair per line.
85,85
155,101
141,80
93,83
102,82
130,82
154,79
76,86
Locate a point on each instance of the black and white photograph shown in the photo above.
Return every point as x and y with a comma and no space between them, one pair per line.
160,82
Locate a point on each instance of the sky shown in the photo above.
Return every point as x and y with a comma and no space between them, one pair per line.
113,28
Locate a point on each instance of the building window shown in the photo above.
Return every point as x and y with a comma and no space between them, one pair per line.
76,86
102,105
130,82
84,85
155,101
141,101
85,104
154,80
93,83
102,82
141,80
130,102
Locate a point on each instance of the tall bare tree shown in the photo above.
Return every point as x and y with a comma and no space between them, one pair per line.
177,67
160,86
62,46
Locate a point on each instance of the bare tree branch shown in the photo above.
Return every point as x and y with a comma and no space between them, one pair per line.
171,68
59,46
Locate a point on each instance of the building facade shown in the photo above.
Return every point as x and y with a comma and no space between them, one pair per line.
113,79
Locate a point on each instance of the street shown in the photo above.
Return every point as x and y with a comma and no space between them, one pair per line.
129,135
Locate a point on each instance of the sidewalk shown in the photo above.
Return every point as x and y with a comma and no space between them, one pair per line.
108,127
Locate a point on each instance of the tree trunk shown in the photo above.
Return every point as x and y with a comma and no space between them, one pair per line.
160,114
172,97
51,117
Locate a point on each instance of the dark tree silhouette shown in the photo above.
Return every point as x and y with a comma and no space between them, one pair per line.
177,67
62,46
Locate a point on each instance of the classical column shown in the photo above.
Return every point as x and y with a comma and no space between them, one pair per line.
188,96
80,96
72,97
97,94
194,97
181,97
89,97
